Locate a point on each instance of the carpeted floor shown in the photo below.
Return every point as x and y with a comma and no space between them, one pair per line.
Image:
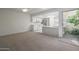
30,41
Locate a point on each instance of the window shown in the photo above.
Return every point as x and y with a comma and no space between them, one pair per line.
66,15
71,22
52,19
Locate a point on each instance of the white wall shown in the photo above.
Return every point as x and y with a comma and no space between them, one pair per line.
60,23
50,31
13,22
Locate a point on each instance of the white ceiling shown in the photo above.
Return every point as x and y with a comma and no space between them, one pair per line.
30,10
38,10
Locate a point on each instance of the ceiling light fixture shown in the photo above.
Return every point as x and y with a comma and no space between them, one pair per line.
24,10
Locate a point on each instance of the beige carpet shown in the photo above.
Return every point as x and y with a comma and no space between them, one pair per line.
30,41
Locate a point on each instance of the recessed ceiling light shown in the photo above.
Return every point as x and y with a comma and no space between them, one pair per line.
24,10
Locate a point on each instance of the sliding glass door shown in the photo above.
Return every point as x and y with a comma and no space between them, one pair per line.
71,22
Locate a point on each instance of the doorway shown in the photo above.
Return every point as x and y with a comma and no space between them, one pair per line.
71,26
